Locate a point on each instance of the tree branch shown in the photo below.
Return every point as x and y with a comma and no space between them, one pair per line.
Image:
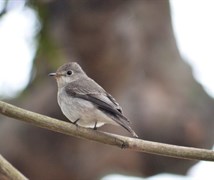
7,169
106,138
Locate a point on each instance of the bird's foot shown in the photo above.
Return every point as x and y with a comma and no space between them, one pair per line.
95,126
75,122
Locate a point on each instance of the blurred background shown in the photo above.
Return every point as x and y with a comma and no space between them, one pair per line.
155,57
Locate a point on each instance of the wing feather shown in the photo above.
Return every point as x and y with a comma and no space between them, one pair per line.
97,95
104,101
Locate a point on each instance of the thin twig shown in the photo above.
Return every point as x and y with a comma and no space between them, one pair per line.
106,138
9,171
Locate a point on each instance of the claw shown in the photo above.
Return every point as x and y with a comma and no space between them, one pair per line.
75,122
95,126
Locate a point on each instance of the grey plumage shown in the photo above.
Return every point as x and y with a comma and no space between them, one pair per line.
86,103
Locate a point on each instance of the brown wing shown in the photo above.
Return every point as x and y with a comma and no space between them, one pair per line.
102,100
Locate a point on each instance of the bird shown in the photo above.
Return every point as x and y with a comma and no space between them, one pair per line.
84,102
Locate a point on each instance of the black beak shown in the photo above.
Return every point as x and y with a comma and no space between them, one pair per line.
52,74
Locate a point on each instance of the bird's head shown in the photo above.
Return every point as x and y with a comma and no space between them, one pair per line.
68,73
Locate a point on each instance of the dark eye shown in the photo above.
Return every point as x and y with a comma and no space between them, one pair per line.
69,73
